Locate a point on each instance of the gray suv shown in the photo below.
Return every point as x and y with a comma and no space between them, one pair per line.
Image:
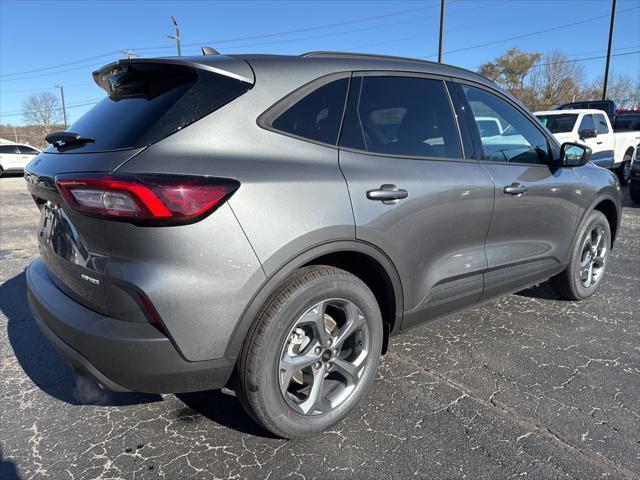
268,222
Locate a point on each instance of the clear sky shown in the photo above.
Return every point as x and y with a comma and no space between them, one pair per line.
47,43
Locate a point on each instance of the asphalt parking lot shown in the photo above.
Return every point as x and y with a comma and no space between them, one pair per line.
524,386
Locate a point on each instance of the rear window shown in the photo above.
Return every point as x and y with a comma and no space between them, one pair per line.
148,102
561,123
318,115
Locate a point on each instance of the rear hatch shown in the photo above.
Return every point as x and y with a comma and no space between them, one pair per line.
147,100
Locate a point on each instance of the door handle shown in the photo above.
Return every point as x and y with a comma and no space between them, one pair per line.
598,143
515,189
389,194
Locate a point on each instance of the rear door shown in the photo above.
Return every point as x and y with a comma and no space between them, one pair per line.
26,154
9,157
536,203
414,194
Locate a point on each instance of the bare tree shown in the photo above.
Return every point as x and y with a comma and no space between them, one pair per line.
42,110
556,80
621,88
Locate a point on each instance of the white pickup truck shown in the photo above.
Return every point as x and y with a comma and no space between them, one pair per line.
614,150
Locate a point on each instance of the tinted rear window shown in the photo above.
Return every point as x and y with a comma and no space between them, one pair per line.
149,102
318,115
559,123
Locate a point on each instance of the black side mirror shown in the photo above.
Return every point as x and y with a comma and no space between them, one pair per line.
574,154
588,133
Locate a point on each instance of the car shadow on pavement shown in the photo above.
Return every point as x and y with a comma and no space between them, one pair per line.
542,292
41,362
8,468
222,409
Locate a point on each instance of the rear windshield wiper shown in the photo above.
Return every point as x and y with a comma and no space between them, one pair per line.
65,140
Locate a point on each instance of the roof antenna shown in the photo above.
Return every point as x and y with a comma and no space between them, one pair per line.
209,51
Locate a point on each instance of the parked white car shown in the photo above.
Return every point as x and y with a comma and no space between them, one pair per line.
614,150
15,156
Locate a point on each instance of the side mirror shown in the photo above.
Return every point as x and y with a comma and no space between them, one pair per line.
588,133
574,154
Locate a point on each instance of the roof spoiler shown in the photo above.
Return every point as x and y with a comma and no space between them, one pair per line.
218,64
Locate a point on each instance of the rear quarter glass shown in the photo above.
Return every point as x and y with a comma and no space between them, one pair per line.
148,102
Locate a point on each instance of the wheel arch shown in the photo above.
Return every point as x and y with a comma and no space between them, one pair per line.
607,206
361,259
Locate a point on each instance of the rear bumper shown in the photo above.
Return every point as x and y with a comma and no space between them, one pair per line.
122,356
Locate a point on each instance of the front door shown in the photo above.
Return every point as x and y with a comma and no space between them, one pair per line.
536,203
414,195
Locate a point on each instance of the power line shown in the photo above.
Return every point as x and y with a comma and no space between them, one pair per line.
636,52
6,92
231,40
299,30
546,30
73,105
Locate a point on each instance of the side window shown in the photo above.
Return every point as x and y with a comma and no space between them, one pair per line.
587,123
601,123
318,115
405,116
516,140
27,150
4,149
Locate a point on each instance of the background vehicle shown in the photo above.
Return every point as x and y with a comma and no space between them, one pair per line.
634,183
14,157
607,106
280,217
627,122
614,150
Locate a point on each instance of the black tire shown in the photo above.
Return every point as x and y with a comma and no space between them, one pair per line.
634,191
624,170
259,367
569,284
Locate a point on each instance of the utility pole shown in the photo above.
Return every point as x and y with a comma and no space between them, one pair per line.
606,68
64,109
441,30
176,37
15,133
130,53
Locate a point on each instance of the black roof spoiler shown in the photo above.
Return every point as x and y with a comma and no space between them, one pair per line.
220,64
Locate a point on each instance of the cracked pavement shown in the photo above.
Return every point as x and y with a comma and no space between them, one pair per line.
525,385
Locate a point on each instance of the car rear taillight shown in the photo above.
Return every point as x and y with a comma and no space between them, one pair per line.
145,199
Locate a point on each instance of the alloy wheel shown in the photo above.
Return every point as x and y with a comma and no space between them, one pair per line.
324,356
593,257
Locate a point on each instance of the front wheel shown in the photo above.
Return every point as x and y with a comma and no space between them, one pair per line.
588,260
624,170
312,353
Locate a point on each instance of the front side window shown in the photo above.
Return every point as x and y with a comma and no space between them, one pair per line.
559,123
587,123
520,140
398,115
601,124
318,115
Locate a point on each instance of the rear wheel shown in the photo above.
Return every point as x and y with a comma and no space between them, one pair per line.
588,260
312,353
634,191
624,170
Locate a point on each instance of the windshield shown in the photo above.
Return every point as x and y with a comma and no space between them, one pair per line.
559,123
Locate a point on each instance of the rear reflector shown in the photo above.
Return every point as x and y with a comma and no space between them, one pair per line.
145,199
